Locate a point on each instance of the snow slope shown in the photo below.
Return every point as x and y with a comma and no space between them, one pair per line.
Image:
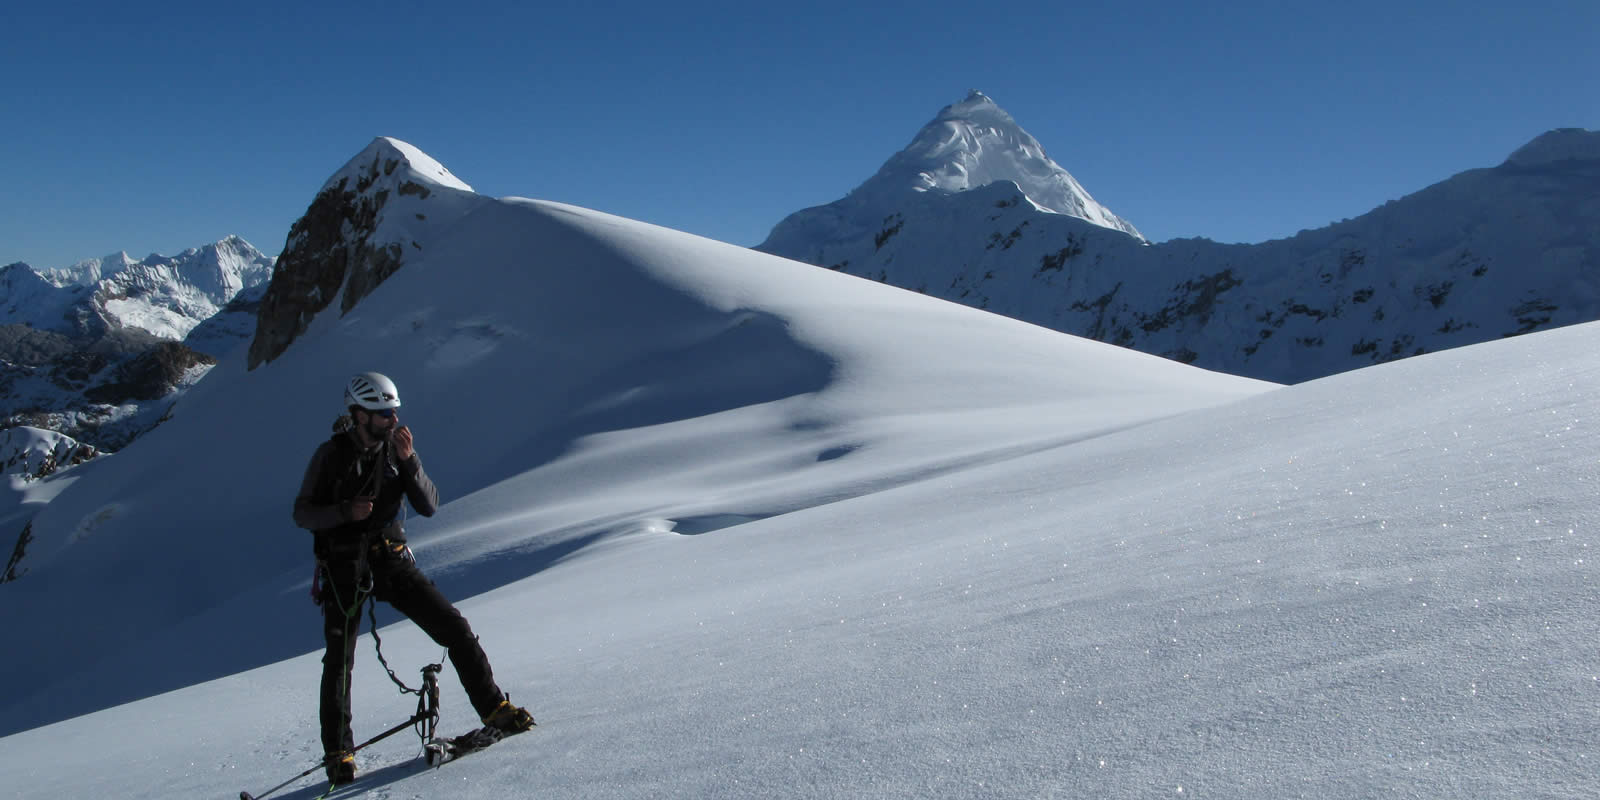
1376,584
735,527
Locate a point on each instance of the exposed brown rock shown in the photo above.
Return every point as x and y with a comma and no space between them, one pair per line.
328,249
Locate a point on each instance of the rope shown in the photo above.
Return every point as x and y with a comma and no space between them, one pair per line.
352,612
427,697
377,646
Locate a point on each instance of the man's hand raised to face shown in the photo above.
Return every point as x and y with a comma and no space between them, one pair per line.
403,447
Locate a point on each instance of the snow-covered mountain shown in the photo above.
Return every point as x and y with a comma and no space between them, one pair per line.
969,145
858,542
100,350
1486,254
165,296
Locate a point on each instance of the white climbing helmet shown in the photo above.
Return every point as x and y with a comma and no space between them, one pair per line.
371,390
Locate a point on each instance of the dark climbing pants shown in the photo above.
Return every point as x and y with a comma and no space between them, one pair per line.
395,580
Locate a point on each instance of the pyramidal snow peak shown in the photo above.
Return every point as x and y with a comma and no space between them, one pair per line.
975,143
967,147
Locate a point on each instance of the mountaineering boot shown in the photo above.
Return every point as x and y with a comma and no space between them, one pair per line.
509,718
341,767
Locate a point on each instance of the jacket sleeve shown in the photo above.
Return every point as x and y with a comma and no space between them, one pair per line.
308,513
424,496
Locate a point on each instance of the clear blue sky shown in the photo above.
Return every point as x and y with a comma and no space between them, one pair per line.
158,127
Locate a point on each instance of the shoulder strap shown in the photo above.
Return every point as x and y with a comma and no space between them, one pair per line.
340,465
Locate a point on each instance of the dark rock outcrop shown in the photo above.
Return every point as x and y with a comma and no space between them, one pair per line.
150,374
355,234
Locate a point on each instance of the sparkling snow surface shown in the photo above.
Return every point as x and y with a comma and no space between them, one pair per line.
734,527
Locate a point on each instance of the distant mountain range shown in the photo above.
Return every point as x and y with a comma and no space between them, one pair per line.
974,212
99,350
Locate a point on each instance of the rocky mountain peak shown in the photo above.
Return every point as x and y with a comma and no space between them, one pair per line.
389,164
363,226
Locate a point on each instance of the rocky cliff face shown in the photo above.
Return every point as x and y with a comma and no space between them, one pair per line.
1489,253
356,233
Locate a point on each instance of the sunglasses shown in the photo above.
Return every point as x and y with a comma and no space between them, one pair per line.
386,413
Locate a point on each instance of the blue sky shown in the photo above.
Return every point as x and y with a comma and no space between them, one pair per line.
154,128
